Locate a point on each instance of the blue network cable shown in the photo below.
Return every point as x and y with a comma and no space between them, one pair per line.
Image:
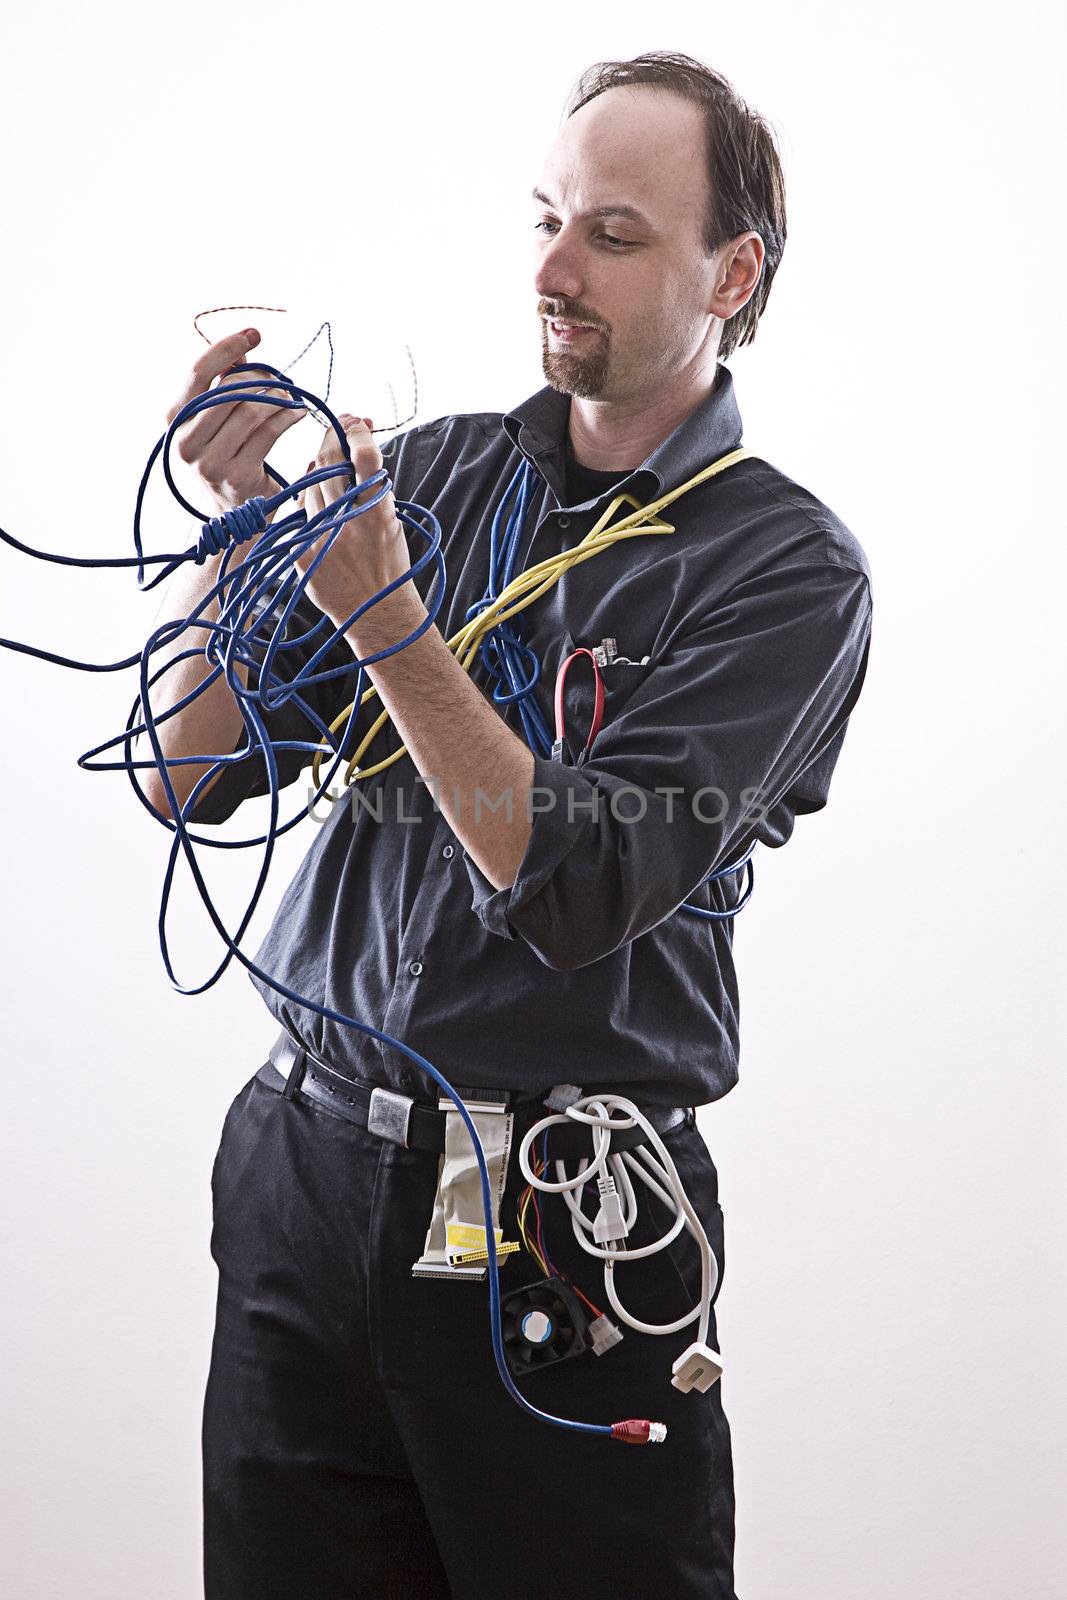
725,872
503,651
230,641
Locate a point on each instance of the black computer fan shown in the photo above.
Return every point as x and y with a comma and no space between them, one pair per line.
543,1322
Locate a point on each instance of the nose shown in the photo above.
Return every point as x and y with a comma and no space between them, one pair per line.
558,274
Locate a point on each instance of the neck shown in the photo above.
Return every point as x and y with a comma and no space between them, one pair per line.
617,435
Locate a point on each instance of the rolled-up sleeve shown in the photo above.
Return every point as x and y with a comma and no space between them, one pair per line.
678,780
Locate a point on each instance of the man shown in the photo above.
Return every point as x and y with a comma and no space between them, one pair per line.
357,1440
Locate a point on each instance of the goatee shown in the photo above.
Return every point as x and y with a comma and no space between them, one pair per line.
581,375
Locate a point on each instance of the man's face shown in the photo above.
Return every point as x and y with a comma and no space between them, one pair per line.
636,272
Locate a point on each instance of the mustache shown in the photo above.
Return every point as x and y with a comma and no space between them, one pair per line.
555,311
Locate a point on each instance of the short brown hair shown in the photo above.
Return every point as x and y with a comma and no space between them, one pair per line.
747,187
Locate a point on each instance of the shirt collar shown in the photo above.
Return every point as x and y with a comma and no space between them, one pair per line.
538,428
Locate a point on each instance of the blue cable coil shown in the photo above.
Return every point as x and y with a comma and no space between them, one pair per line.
256,556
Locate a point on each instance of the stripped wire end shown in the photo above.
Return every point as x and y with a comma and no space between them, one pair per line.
638,1431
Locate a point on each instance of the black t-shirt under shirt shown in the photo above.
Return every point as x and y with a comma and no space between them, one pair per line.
583,483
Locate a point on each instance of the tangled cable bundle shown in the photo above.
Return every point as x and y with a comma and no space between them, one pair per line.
258,588
653,1164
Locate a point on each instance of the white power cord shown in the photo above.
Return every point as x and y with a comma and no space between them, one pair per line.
699,1366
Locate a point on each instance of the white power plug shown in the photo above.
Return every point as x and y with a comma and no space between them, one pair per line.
697,1368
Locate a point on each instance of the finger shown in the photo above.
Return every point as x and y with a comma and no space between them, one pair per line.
366,456
357,438
301,498
331,455
312,501
321,495
247,443
218,432
215,360
214,434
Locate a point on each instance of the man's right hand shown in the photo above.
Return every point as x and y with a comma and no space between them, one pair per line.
226,445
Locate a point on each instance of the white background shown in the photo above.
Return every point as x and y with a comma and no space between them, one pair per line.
891,1161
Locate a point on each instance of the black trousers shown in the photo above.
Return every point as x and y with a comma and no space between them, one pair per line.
357,1439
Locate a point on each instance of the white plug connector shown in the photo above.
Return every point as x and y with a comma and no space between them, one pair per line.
610,1223
697,1368
603,1334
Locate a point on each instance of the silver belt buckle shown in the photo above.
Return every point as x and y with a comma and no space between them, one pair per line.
389,1115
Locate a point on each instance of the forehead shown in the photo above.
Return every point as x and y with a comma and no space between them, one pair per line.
635,146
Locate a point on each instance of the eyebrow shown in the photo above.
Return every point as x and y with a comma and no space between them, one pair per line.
631,213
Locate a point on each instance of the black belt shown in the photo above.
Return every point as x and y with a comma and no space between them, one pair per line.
293,1070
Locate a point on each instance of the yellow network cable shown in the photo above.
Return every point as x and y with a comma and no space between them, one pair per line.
522,591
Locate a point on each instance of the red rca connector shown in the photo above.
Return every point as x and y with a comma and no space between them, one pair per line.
638,1431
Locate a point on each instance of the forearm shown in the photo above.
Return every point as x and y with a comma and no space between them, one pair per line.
480,772
226,446
211,723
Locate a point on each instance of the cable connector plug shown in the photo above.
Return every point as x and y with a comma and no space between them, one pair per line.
610,1223
603,1333
562,1096
697,1368
637,1431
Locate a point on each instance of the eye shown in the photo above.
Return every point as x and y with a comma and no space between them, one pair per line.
548,227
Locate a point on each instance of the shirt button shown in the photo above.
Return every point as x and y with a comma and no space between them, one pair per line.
414,967
448,852
564,522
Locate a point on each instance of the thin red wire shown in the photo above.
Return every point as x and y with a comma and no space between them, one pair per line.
211,312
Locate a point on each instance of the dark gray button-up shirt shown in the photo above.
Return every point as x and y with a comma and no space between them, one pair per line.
755,619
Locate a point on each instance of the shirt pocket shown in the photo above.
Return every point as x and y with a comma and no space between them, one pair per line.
621,679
